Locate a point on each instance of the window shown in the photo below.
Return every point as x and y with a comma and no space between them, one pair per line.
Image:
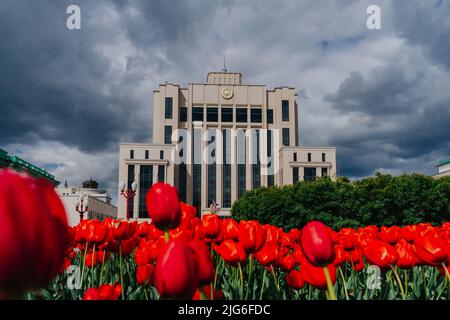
161,173
227,114
197,114
212,114
324,172
161,154
269,116
295,175
183,114
182,173
285,136
285,110
145,183
295,156
197,171
256,167
130,181
309,156
147,154
169,107
131,154
310,174
323,157
270,180
168,134
211,166
241,167
256,115
226,172
241,114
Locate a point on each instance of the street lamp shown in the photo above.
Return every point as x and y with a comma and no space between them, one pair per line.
128,194
82,206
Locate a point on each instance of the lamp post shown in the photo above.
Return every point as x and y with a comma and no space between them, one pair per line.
82,206
128,194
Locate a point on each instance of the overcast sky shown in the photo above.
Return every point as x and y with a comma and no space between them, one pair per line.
68,98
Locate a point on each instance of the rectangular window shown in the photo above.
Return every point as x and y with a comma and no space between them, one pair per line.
161,154
197,171
168,134
226,172
295,156
241,167
197,114
145,183
269,116
131,154
211,166
256,167
160,173
241,114
169,107
130,181
256,115
285,110
147,153
285,136
270,180
182,181
309,156
183,114
295,176
324,172
212,114
310,174
323,157
227,114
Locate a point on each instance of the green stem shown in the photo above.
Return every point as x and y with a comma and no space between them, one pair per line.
406,281
103,268
344,282
121,273
92,265
166,235
263,284
84,262
250,269
272,270
399,281
242,280
331,293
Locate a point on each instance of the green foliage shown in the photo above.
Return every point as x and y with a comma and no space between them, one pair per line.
378,200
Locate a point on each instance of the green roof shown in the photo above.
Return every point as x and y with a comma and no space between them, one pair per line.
442,162
19,163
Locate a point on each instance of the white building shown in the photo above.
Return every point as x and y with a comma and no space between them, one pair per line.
443,168
249,133
99,202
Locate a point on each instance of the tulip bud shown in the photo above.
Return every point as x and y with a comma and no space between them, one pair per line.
317,244
164,206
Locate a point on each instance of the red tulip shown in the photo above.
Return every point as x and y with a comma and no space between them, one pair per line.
431,250
358,267
294,279
211,224
207,292
317,244
164,206
145,274
285,262
381,254
315,276
205,265
33,232
406,256
268,254
252,235
389,234
142,229
230,251
176,271
230,229
93,231
409,233
339,256
104,292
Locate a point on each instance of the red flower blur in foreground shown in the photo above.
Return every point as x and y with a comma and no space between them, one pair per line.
104,292
294,279
33,232
381,254
317,243
230,251
315,275
176,271
431,250
163,206
205,264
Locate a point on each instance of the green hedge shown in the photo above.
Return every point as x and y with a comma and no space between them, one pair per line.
378,200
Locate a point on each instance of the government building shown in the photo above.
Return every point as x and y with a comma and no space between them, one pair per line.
215,140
